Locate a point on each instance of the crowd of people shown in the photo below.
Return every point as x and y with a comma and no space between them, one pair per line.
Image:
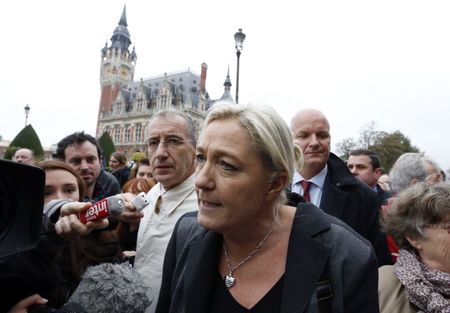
248,215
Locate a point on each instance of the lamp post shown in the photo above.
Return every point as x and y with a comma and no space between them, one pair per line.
239,40
27,111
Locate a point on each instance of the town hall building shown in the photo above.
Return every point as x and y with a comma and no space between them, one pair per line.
126,105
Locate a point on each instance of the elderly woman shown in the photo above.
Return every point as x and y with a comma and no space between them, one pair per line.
248,252
419,221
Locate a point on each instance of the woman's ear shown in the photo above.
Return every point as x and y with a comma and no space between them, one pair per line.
276,186
416,243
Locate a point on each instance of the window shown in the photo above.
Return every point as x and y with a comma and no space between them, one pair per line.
117,110
127,132
137,133
117,134
163,101
139,104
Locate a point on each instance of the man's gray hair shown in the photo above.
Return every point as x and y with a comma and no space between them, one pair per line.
191,130
409,166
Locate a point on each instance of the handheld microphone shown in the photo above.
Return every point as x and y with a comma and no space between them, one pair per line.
109,287
111,206
140,202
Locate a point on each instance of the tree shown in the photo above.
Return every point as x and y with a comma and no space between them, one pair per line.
26,138
107,146
389,146
346,146
367,136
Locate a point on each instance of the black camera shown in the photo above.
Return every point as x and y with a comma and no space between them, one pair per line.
21,204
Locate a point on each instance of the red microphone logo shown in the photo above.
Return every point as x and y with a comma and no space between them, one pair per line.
109,206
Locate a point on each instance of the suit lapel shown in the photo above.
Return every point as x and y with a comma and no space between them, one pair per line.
202,269
305,262
333,199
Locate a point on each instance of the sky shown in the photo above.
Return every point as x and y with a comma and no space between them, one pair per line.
357,61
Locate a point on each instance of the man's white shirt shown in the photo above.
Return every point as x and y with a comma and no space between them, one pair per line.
316,189
155,230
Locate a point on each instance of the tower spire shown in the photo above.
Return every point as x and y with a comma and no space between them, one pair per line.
123,18
226,94
227,82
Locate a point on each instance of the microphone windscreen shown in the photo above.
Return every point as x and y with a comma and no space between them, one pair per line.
72,307
116,205
107,288
140,201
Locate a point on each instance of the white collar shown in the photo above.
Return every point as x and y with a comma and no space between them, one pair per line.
318,180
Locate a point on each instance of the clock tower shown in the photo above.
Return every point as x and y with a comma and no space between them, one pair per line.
117,66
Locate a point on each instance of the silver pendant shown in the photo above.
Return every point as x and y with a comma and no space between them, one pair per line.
229,281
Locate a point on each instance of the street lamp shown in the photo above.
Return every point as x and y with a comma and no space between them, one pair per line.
239,40
27,111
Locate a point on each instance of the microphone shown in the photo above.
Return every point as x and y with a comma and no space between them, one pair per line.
108,287
72,307
111,206
140,202
69,307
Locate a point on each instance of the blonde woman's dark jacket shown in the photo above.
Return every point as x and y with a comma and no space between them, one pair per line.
318,242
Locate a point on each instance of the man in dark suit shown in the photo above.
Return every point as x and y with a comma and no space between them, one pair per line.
326,182
365,165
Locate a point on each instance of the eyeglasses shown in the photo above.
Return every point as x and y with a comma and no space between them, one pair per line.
170,143
443,226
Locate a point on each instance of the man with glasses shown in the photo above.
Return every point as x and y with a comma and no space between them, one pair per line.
171,151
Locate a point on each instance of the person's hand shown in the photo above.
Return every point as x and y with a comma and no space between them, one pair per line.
130,214
69,225
23,305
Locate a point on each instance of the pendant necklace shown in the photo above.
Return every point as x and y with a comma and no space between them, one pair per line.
230,281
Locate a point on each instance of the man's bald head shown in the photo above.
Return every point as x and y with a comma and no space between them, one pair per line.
311,131
309,114
24,155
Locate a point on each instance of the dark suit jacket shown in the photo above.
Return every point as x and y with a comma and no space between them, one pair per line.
353,202
192,258
382,195
106,185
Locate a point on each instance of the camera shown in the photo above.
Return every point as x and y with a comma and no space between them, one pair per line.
21,203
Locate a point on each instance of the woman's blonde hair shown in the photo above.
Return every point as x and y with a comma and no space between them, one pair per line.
271,136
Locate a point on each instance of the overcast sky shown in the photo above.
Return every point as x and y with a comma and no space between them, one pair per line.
357,61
